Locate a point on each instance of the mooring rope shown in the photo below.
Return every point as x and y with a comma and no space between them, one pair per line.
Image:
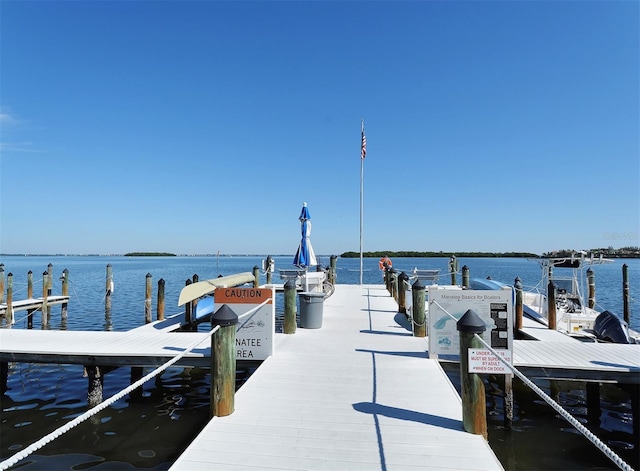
619,462
103,405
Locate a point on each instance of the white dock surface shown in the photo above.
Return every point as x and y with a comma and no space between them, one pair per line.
357,394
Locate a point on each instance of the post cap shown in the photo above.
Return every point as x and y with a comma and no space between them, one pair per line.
290,284
224,317
417,285
471,322
403,276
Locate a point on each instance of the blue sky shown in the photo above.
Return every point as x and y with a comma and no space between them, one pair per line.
201,126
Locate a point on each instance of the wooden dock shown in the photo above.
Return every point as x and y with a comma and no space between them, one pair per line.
358,393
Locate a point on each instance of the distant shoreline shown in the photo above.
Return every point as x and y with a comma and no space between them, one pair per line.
376,254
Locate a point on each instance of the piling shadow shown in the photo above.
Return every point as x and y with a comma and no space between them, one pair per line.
398,354
615,365
384,332
405,414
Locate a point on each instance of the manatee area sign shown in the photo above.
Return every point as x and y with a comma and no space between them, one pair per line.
256,330
495,308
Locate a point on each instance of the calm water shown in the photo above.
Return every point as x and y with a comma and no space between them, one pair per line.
151,432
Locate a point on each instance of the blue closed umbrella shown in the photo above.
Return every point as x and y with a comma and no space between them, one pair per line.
305,256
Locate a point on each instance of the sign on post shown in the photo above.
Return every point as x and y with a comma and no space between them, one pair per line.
255,332
448,305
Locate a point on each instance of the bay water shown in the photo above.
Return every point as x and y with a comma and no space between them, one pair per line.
151,432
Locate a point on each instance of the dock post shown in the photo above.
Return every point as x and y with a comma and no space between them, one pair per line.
474,413
9,315
593,404
147,300
1,282
289,326
223,362
453,268
136,374
625,293
551,305
49,279
108,290
30,296
45,308
591,280
95,384
465,276
403,286
187,307
419,323
65,292
519,305
194,279
332,271
160,304
4,376
256,276
393,283
269,264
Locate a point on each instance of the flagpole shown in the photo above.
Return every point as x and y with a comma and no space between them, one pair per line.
363,153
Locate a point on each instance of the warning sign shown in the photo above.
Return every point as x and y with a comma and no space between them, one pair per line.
256,324
481,360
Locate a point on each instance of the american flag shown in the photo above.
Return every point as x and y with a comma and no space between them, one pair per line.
363,147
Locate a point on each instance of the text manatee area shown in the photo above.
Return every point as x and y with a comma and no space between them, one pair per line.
255,308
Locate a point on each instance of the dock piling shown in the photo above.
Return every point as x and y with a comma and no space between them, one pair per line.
419,323
160,305
223,362
65,292
403,286
474,413
108,290
269,265
30,296
551,305
256,276
519,305
332,269
289,326
453,268
9,315
45,292
147,300
1,282
465,277
625,294
591,280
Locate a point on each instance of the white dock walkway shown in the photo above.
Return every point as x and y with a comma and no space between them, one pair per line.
358,393
33,303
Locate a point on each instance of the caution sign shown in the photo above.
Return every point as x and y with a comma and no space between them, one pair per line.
256,321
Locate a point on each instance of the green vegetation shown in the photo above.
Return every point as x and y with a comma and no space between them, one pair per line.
149,254
409,254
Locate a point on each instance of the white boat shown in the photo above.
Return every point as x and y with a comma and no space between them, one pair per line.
574,316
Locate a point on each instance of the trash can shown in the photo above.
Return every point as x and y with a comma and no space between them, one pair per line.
311,310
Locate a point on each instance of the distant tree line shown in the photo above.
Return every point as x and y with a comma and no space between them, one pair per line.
149,254
409,254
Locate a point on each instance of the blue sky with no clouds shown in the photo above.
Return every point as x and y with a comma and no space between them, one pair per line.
202,126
